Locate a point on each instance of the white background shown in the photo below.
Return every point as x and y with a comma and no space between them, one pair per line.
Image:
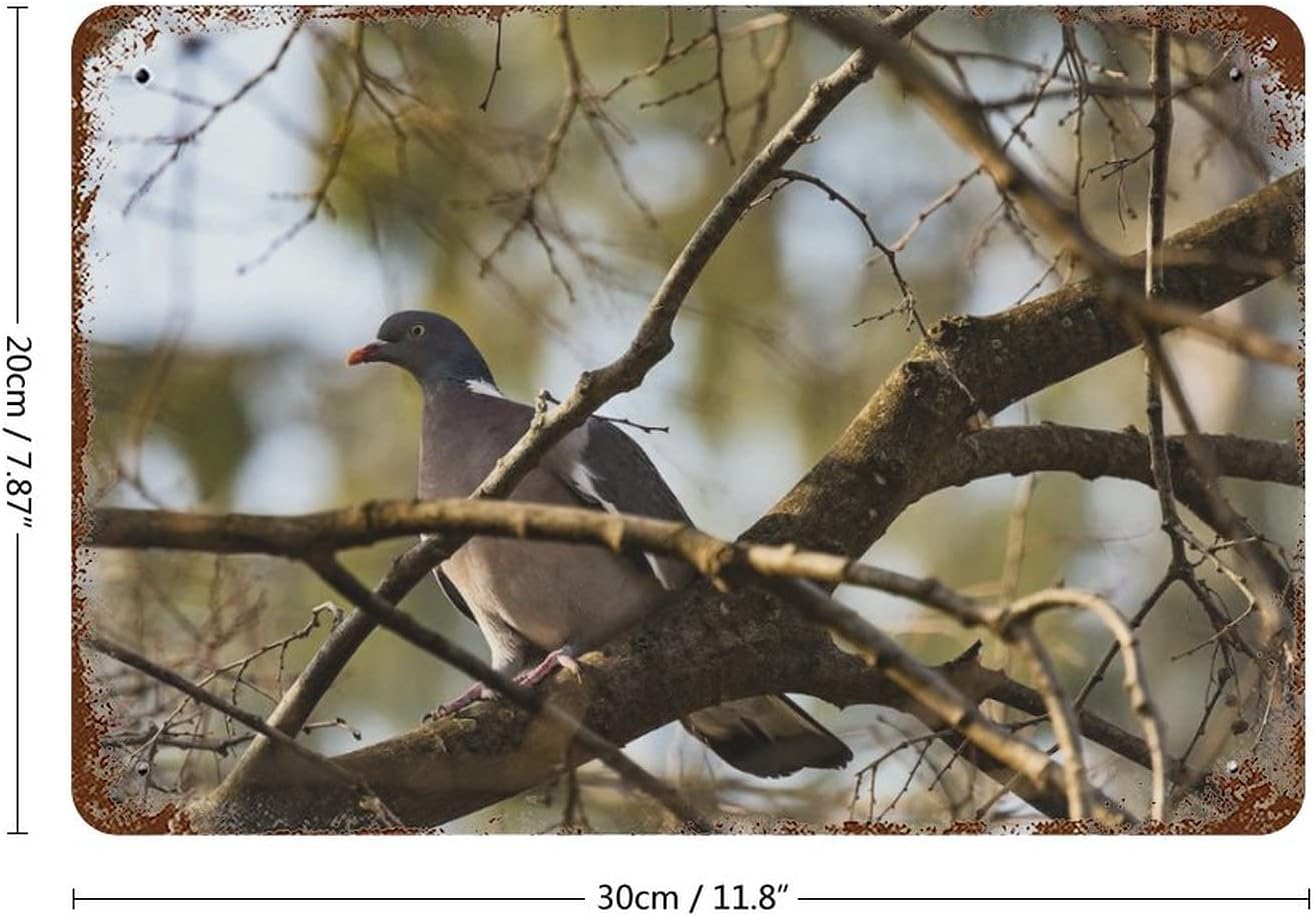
61,852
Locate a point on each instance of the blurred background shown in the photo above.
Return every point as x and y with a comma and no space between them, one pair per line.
252,223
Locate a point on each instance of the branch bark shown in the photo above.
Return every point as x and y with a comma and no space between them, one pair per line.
1093,453
921,411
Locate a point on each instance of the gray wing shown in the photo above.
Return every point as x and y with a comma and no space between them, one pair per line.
765,736
453,594
609,470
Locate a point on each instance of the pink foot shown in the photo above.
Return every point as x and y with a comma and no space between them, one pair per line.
473,693
558,658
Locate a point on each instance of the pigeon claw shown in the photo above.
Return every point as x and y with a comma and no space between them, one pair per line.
472,694
562,658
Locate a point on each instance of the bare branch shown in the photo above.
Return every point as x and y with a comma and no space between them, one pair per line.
1093,453
497,65
722,134
1061,717
1014,450
939,696
717,560
909,304
622,421
368,800
182,141
670,53
963,121
769,67
1238,338
653,339
1133,672
318,196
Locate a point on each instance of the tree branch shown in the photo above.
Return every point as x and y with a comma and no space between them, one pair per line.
920,411
1094,453
964,120
307,536
650,344
1124,298
456,766
367,800
186,139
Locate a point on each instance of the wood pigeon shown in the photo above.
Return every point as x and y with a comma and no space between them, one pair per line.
546,603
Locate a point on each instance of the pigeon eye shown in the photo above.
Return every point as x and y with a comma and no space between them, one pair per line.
417,330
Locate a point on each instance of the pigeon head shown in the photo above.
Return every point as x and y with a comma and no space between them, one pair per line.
429,346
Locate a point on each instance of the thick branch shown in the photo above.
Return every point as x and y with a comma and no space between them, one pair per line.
1015,450
714,558
456,766
1123,295
921,410
1094,453
721,562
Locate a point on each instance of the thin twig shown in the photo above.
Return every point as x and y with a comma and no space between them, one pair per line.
1061,716
184,140
1134,675
633,424
909,304
497,64
318,196
368,800
722,135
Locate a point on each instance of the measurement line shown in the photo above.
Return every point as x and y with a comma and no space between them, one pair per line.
18,824
1305,899
18,10
79,899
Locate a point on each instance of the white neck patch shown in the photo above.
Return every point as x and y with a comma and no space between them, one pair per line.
487,389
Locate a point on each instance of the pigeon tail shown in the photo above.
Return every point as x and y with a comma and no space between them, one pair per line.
767,736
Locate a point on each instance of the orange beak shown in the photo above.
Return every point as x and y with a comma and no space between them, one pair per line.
363,354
